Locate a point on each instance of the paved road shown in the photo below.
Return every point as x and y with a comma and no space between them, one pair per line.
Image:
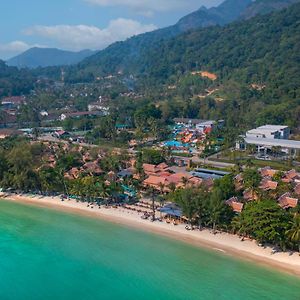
216,164
50,138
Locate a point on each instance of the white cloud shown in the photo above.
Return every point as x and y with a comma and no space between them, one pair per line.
89,37
15,46
148,7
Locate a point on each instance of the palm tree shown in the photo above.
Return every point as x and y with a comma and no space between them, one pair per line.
152,193
252,180
161,188
185,181
294,233
172,187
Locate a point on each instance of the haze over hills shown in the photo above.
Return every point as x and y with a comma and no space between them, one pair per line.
45,57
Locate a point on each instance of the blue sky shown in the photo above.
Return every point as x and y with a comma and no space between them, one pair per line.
81,24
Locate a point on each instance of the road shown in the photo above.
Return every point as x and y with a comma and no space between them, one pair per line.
216,164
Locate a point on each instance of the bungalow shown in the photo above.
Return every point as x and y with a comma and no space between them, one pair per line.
297,189
267,172
267,185
92,168
150,169
235,204
72,174
239,182
179,180
286,201
290,176
156,182
250,195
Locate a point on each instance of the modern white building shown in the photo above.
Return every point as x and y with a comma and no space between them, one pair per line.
270,132
268,137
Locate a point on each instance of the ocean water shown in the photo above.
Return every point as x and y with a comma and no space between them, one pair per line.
45,254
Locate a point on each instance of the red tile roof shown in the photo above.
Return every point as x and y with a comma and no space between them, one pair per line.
249,195
289,176
267,171
155,181
235,204
286,201
148,168
297,189
267,185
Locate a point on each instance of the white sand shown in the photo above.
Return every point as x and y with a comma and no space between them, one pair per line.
222,242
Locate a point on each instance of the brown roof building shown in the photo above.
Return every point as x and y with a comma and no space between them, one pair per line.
235,204
286,201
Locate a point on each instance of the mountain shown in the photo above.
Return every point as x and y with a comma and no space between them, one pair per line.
228,11
45,57
121,55
260,7
256,63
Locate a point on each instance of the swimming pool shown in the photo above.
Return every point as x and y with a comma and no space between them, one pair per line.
176,144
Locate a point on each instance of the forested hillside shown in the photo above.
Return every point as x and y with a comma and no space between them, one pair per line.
256,62
120,55
14,81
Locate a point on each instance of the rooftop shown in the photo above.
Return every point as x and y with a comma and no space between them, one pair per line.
273,142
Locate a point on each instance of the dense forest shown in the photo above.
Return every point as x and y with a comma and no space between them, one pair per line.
14,81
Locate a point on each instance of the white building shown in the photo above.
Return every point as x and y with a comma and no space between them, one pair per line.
268,137
270,132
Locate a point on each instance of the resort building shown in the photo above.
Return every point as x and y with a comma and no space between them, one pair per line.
270,132
199,124
269,137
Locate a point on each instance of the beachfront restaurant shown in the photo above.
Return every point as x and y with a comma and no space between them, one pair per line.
171,210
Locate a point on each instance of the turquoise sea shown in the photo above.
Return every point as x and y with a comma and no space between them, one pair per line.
45,254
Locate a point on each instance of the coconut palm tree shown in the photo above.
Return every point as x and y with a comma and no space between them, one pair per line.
294,232
151,191
185,181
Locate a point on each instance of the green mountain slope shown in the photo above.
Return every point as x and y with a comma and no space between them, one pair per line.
262,52
260,7
124,56
14,81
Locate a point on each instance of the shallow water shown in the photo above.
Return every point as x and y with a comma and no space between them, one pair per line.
45,254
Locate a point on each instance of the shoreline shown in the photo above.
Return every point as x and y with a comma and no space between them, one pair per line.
222,243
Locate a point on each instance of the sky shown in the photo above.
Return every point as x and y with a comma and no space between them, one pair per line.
84,24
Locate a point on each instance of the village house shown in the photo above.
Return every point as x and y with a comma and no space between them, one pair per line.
286,201
160,178
235,204
291,176
4,133
72,174
156,170
267,185
267,172
92,168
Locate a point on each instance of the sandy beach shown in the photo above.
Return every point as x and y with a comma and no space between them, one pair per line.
224,243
